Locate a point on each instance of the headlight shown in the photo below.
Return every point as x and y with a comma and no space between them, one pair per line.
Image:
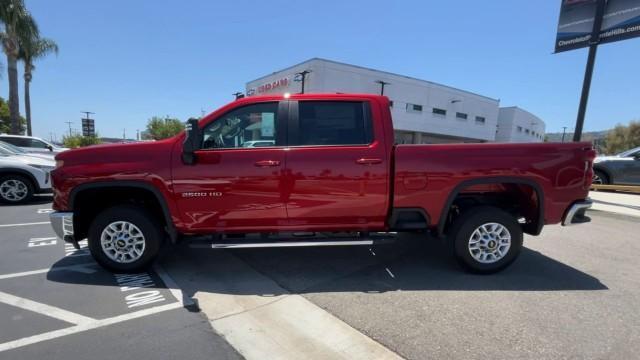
43,167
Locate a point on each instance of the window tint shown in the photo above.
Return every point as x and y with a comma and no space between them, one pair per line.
22,142
333,123
243,127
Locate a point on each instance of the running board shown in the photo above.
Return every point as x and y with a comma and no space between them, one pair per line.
290,243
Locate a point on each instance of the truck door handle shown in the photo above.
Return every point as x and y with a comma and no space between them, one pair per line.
267,163
366,161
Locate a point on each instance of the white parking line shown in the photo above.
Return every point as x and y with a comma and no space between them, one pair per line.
83,268
88,326
172,286
25,224
44,309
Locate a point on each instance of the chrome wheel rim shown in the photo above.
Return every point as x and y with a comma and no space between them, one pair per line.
596,179
122,242
13,190
489,243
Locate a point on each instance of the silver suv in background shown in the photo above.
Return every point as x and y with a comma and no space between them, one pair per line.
22,176
31,144
620,169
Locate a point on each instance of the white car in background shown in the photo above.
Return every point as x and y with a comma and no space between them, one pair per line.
22,176
31,144
18,151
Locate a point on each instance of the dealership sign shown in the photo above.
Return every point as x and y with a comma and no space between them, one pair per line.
267,87
621,20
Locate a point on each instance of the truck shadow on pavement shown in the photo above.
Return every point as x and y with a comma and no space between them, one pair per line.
404,266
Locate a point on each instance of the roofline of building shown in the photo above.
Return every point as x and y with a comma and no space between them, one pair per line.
521,109
380,71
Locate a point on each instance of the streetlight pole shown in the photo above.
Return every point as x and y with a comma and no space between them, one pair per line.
302,75
382,84
564,130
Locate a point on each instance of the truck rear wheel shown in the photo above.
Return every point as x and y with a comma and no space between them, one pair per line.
124,239
486,239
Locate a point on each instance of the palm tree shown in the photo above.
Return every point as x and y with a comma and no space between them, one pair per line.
31,50
18,25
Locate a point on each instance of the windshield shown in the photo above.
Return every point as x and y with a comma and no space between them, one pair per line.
11,149
629,153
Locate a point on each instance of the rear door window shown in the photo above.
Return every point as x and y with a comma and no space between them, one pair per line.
333,123
16,141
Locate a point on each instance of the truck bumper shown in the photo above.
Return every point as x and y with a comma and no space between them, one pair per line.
62,224
576,213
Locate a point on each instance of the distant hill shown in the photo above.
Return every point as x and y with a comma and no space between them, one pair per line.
586,136
597,138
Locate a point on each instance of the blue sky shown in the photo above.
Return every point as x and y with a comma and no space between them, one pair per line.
130,60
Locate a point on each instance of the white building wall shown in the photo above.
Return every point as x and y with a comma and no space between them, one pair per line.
422,126
518,125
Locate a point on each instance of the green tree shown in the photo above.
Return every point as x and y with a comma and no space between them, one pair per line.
5,118
32,49
75,141
161,128
18,25
622,138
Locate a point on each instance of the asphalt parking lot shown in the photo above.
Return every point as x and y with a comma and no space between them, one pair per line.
56,303
573,293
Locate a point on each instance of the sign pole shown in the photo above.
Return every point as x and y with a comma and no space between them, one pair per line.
588,73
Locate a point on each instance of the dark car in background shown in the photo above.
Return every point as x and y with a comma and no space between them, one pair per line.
621,169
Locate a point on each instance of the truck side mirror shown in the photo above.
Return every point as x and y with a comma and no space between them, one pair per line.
191,142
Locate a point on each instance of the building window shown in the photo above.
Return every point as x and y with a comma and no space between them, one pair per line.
440,111
461,116
480,119
519,128
414,108
526,131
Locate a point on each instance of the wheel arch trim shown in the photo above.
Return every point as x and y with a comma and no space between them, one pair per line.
173,234
493,180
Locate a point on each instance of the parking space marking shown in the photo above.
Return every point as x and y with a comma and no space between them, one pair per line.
25,224
44,309
45,241
84,268
172,286
87,326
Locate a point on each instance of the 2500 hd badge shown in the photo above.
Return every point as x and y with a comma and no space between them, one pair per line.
201,194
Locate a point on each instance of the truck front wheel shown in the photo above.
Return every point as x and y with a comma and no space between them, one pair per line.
486,239
124,239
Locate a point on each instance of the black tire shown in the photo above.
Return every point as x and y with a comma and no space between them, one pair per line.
143,220
463,228
604,178
19,178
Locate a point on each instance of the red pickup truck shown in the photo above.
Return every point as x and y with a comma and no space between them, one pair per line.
317,164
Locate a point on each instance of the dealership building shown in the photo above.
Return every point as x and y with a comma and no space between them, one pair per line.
423,112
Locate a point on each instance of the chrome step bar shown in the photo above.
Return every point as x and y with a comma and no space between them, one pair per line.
290,243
